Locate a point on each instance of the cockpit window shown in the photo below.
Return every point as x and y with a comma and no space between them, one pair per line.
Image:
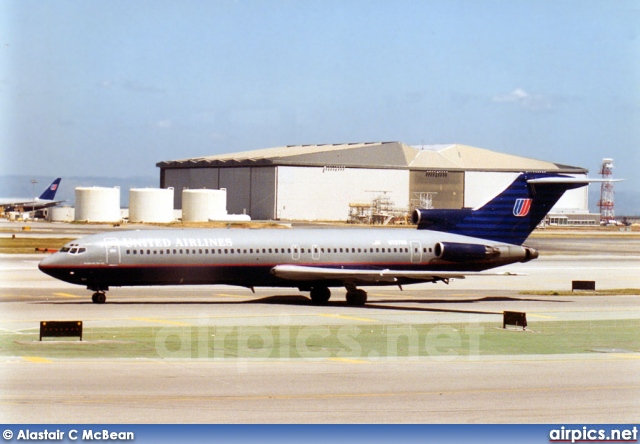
69,248
74,250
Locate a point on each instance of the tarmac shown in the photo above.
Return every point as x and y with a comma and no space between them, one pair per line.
456,384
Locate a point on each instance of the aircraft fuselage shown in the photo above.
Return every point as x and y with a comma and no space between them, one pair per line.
247,257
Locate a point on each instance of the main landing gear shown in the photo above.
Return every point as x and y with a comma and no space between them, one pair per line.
320,295
355,296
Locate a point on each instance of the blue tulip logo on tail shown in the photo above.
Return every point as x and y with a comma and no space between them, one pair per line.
521,207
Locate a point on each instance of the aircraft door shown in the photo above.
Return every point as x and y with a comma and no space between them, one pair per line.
315,252
295,252
416,252
112,247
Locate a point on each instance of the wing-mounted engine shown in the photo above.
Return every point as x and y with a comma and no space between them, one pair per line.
459,252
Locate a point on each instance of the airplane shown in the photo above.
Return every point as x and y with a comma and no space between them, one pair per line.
447,244
45,200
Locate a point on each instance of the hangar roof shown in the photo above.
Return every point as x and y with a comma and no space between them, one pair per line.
394,155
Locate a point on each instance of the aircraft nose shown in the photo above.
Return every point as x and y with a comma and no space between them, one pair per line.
47,264
44,263
56,267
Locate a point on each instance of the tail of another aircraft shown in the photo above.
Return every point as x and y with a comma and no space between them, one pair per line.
509,217
50,192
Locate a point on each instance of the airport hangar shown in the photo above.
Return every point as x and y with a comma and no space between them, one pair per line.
320,182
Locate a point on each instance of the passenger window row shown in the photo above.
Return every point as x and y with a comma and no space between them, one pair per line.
271,250
212,251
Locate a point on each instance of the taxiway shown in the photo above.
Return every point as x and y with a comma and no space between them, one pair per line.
594,385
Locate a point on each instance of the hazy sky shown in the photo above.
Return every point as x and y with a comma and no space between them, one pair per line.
109,88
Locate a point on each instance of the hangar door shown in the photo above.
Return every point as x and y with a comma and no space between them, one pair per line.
448,187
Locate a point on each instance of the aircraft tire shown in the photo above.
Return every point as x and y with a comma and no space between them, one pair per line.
320,295
99,298
357,298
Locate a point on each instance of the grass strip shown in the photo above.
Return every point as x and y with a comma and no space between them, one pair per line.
28,245
440,341
607,292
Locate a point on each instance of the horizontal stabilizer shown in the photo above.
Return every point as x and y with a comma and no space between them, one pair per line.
570,180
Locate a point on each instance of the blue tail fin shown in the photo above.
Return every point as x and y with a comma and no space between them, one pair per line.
509,217
50,192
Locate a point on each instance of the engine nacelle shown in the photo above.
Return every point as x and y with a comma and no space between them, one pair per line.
458,252
441,220
520,254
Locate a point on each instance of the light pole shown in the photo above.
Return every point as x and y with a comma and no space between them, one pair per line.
33,193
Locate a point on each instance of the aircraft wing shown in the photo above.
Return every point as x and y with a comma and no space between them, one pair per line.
48,204
302,273
29,204
14,202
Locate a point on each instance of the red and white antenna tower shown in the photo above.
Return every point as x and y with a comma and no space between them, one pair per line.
606,193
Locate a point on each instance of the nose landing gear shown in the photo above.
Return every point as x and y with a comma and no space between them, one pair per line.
99,297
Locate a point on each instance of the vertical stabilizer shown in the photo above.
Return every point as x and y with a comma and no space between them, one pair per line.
50,192
509,217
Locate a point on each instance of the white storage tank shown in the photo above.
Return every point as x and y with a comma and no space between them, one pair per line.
203,205
97,204
218,203
61,214
151,205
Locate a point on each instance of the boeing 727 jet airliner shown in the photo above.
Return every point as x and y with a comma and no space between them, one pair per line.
448,244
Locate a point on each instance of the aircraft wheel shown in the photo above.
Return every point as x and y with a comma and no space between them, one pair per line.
357,297
320,295
99,298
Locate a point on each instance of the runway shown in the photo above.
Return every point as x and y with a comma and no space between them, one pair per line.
451,382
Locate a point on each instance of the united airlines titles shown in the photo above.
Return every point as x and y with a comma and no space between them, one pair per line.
177,242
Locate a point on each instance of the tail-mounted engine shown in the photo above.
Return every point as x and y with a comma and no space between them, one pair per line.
458,252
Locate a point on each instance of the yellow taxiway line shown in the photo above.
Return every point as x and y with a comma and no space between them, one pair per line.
37,360
160,321
351,318
67,295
